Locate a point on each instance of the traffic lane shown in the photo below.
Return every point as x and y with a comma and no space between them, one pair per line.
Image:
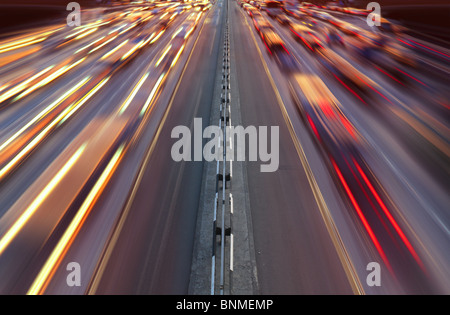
15,111
355,243
352,107
51,51
360,246
434,282
153,249
294,252
24,277
377,127
116,89
379,94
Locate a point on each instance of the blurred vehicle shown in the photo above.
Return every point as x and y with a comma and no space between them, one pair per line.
355,11
308,5
321,15
171,54
292,10
295,13
307,37
166,20
334,8
283,20
252,11
247,8
388,27
273,8
123,53
345,27
342,70
401,54
349,29
187,27
262,25
374,39
322,115
278,51
333,37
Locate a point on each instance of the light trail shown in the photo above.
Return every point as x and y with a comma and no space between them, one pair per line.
34,206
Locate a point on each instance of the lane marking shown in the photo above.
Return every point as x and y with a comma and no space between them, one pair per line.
110,246
342,252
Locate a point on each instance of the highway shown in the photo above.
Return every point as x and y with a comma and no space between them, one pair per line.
87,175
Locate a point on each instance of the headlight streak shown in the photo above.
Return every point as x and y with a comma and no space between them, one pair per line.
89,45
152,95
164,15
28,213
86,34
163,55
114,50
50,78
20,87
44,276
157,36
46,273
68,112
43,113
133,94
132,50
177,32
30,146
175,60
102,45
22,45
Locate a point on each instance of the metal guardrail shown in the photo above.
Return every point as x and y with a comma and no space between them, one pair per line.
223,199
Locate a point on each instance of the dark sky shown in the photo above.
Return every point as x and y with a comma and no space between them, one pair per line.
82,2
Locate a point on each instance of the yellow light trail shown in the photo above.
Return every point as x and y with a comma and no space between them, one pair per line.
127,29
74,34
42,114
86,34
4,87
131,51
89,45
152,95
22,45
23,85
30,146
188,33
117,29
163,55
50,78
18,42
104,44
177,32
157,36
133,94
68,112
28,213
44,276
26,41
114,50
175,60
